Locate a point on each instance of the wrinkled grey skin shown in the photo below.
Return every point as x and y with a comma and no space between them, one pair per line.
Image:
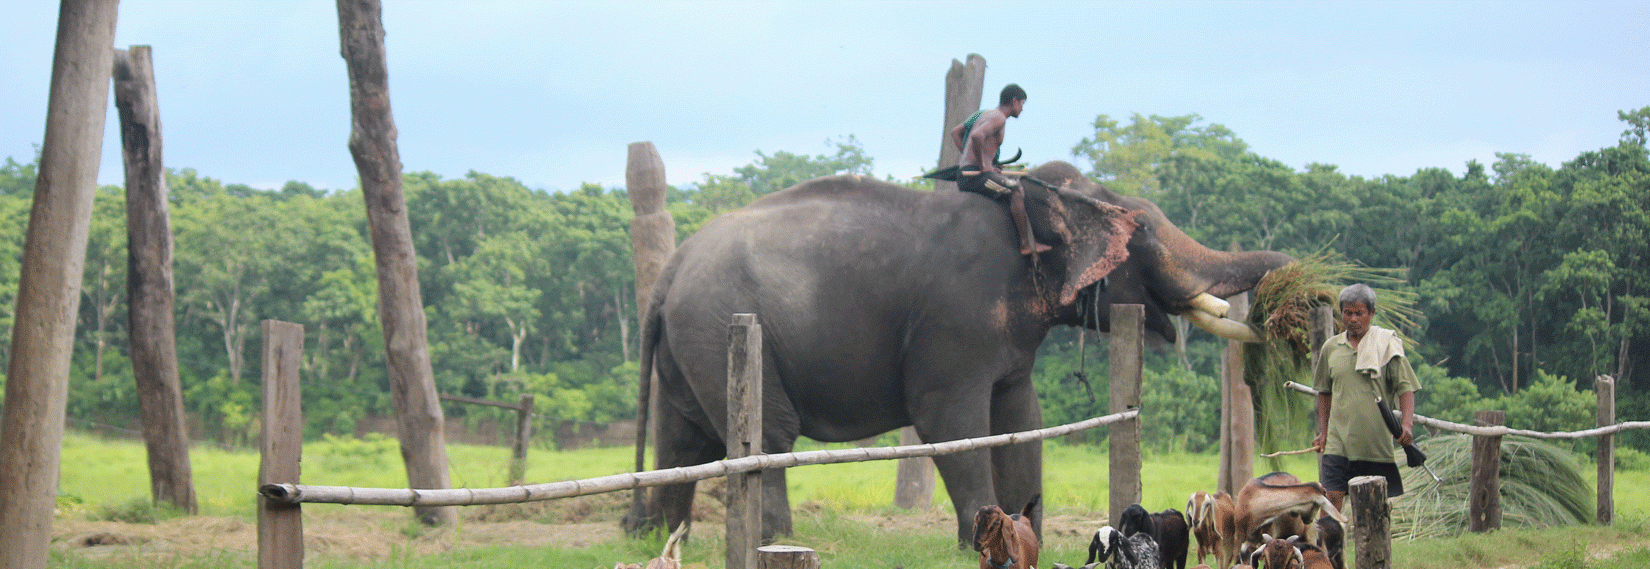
883,307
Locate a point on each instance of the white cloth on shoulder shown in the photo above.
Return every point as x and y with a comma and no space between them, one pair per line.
1378,346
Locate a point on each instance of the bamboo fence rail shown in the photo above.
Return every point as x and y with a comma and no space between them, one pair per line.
305,493
1501,431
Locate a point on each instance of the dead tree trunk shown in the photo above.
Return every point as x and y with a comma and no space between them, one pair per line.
400,303
149,282
653,241
48,294
914,478
964,86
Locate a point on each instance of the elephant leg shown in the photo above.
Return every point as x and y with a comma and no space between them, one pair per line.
1018,468
967,475
680,442
780,427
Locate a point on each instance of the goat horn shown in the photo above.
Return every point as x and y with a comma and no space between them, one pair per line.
1300,559
1224,327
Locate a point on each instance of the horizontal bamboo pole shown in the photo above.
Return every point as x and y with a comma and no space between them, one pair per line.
304,493
1502,431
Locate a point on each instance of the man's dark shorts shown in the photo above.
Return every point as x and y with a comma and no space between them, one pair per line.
989,184
1335,472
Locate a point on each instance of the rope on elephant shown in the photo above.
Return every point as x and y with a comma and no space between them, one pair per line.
1500,431
304,493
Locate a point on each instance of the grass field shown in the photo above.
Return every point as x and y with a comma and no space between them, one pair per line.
840,510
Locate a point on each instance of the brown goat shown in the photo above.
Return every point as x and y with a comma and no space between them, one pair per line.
1276,553
1312,556
1211,519
1005,541
1280,502
670,558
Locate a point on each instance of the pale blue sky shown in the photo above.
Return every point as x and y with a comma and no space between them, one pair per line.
552,92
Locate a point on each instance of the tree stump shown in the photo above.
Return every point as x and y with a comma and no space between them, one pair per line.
786,557
1371,518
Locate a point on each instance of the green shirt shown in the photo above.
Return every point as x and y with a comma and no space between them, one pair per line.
1356,430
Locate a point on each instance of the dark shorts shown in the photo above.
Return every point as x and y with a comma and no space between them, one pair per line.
1335,471
989,184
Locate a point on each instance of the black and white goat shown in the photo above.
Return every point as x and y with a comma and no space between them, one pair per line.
1138,551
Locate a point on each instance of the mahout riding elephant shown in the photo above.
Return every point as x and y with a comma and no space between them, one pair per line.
883,307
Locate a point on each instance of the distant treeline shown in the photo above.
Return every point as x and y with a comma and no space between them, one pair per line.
1531,280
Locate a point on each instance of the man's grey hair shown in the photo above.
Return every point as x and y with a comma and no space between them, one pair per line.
1359,293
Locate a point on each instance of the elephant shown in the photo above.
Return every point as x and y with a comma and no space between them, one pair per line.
883,307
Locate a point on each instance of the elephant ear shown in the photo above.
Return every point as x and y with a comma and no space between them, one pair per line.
1098,243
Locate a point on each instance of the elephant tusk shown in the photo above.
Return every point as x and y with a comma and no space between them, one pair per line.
1211,304
1224,327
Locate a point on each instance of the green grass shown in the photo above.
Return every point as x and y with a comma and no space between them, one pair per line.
836,508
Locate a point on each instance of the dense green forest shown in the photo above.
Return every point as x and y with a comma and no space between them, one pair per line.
1531,280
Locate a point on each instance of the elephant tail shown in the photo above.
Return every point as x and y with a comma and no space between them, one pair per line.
652,329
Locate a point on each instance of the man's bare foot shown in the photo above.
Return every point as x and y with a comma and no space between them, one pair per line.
1036,248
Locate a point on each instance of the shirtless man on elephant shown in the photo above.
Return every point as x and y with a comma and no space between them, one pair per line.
980,138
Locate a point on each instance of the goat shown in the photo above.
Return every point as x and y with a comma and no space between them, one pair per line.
1006,541
1279,500
1332,538
670,558
1138,551
1210,518
1276,553
1312,556
1172,535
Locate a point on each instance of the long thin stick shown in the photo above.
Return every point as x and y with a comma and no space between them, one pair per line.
1288,452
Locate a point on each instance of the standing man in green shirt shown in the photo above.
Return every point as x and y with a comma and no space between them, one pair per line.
1355,369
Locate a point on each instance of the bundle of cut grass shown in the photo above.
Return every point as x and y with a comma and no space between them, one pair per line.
1282,310
1542,485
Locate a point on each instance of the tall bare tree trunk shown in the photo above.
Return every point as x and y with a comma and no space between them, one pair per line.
149,282
964,86
400,303
48,294
653,241
964,83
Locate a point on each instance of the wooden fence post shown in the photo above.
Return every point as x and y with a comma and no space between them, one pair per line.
524,436
1237,410
48,291
1371,518
281,526
1605,387
420,425
786,557
149,282
1128,345
1484,495
744,517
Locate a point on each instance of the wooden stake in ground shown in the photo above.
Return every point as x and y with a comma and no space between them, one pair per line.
1605,387
744,516
48,294
149,282
281,525
420,422
1128,347
1484,493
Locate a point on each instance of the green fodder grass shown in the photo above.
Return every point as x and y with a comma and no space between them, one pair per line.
1542,485
1283,305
